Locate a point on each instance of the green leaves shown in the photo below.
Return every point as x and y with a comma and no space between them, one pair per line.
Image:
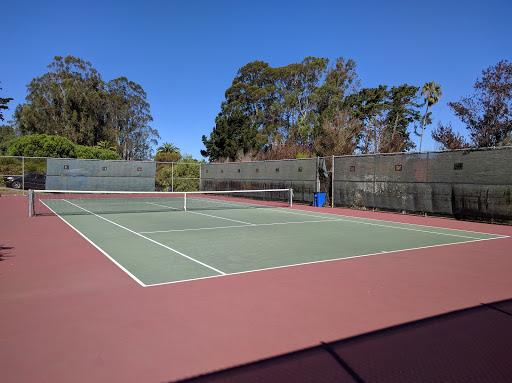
268,106
431,93
315,105
168,148
3,105
43,145
73,101
232,133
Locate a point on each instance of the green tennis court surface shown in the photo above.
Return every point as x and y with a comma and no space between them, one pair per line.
167,245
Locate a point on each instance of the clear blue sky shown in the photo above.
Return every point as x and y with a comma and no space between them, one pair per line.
185,54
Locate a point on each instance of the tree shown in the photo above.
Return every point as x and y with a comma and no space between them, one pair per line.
3,105
402,112
7,134
298,91
106,145
273,106
340,80
168,148
68,101
181,176
488,112
168,152
73,101
253,94
339,135
128,118
232,133
310,104
431,93
368,106
448,138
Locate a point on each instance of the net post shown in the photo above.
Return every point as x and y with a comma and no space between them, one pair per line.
291,197
185,201
30,202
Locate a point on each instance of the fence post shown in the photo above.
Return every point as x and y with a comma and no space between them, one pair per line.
332,182
172,176
317,184
23,175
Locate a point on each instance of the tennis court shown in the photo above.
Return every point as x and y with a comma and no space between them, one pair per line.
157,241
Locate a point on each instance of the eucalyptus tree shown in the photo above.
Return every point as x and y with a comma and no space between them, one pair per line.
431,93
71,100
68,101
300,84
128,119
274,106
253,93
341,80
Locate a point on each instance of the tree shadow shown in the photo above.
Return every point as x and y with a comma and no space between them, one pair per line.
5,252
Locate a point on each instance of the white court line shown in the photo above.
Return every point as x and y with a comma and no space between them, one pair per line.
328,220
290,211
234,226
270,268
195,212
99,248
227,219
321,261
149,239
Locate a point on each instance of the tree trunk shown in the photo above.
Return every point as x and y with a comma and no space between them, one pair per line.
423,127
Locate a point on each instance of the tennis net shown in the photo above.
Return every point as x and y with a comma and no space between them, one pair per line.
68,202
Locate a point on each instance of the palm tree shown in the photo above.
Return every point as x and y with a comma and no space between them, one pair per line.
105,145
431,93
168,148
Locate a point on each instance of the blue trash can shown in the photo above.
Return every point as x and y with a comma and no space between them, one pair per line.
319,199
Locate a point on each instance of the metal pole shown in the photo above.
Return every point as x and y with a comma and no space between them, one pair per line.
185,201
172,177
30,202
200,178
23,175
291,197
332,183
317,184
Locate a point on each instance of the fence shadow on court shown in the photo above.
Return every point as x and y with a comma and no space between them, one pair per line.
471,345
5,252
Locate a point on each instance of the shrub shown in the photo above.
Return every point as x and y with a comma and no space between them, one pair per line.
43,145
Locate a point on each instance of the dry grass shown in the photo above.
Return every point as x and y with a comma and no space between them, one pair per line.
9,191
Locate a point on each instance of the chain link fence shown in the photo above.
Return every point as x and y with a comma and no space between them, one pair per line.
466,184
18,174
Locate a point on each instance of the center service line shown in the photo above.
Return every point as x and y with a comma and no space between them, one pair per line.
149,239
